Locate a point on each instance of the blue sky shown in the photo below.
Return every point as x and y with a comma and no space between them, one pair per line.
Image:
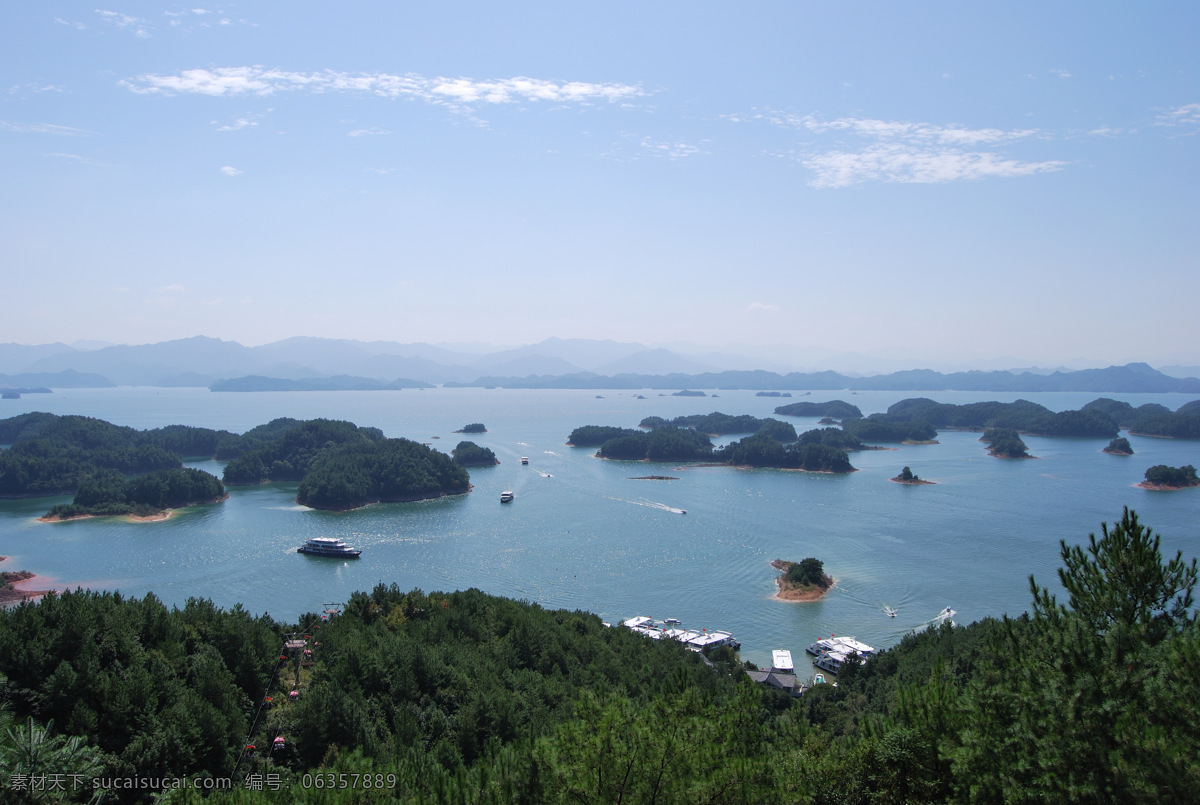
935,181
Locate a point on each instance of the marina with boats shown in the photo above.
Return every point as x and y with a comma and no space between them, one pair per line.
672,629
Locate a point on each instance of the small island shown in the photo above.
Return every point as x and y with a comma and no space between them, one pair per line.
469,454
654,478
1119,447
474,427
689,393
907,476
1162,478
802,581
1005,443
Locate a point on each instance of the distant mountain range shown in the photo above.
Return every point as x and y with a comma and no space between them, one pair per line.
323,363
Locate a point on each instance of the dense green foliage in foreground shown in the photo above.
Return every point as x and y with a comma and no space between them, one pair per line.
1179,477
361,472
469,454
290,455
467,698
113,493
838,409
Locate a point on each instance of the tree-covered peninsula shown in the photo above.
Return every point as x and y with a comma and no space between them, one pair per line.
469,454
462,697
1022,415
761,451
1152,419
289,455
53,454
109,493
666,443
838,409
361,472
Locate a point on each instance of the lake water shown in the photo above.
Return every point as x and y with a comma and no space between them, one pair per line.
582,535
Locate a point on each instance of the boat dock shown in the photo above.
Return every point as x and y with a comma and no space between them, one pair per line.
671,629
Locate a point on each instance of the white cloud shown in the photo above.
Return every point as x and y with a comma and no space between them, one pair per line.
240,123
675,150
872,150
451,92
43,128
1061,73
365,132
230,171
1186,115
172,289
762,307
895,162
125,21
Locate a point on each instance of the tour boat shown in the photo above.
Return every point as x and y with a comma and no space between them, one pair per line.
328,546
506,496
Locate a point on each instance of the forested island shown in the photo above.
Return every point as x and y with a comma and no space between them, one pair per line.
907,476
802,581
1005,443
106,686
119,470
144,496
1119,447
1162,476
469,454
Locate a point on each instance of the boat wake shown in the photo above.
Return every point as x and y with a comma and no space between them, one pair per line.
650,504
544,474
552,453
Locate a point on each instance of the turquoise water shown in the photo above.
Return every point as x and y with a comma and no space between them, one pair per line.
582,535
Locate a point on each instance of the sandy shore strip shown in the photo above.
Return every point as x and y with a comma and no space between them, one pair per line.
13,585
794,595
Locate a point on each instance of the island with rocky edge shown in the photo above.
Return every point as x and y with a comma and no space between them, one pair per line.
474,427
1005,443
802,581
9,592
1162,478
907,476
1119,447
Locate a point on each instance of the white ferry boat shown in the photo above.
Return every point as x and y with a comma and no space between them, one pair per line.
328,546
